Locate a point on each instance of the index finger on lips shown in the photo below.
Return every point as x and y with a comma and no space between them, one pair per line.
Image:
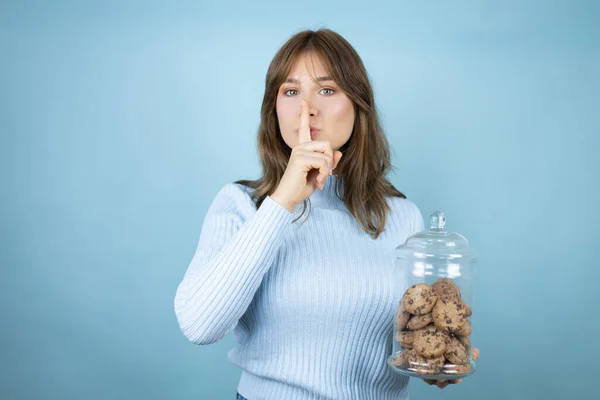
304,128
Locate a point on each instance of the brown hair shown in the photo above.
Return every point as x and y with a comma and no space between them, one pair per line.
366,158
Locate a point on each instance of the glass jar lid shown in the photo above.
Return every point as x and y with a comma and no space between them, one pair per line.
436,243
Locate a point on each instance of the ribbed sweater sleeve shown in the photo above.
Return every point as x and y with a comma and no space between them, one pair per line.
237,246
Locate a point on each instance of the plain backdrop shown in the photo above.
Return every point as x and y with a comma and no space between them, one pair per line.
121,120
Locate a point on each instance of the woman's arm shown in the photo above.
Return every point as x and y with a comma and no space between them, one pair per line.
237,246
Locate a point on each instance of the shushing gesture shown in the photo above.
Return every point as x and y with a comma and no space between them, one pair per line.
309,166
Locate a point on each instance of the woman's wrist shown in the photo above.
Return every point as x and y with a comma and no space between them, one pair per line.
288,205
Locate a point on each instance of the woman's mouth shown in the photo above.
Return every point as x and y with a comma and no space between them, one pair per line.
314,132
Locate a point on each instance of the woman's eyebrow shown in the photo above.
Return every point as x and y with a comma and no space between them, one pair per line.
320,79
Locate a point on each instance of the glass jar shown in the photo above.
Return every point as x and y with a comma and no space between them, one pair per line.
432,324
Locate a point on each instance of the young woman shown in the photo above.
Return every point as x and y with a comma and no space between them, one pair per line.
299,264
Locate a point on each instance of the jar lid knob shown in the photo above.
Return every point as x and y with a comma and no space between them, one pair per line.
437,220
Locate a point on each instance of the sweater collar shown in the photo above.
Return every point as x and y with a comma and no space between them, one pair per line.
328,194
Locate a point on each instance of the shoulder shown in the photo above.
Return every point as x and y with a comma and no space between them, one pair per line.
403,206
233,198
406,212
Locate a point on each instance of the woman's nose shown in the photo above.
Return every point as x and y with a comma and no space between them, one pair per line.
312,109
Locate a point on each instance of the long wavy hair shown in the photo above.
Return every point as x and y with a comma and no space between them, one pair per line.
366,160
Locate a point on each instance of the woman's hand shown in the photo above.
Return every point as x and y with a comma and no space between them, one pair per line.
443,384
309,166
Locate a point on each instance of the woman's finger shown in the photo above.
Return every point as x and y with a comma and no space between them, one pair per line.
325,167
442,384
315,162
320,146
304,128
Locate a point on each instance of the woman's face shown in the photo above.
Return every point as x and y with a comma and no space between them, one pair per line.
331,111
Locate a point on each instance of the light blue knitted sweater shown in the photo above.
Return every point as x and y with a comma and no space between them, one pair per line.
311,303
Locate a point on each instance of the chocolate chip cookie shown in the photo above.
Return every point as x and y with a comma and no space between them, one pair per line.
429,342
465,342
449,314
465,329
419,321
402,317
400,359
468,311
444,287
456,352
419,299
422,365
405,338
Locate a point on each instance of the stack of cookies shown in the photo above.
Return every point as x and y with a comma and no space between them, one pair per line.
433,326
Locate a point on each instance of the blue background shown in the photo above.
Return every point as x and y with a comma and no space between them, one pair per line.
120,121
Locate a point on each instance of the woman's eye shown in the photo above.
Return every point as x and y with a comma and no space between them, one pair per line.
294,92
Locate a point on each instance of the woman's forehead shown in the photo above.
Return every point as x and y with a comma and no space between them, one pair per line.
308,66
